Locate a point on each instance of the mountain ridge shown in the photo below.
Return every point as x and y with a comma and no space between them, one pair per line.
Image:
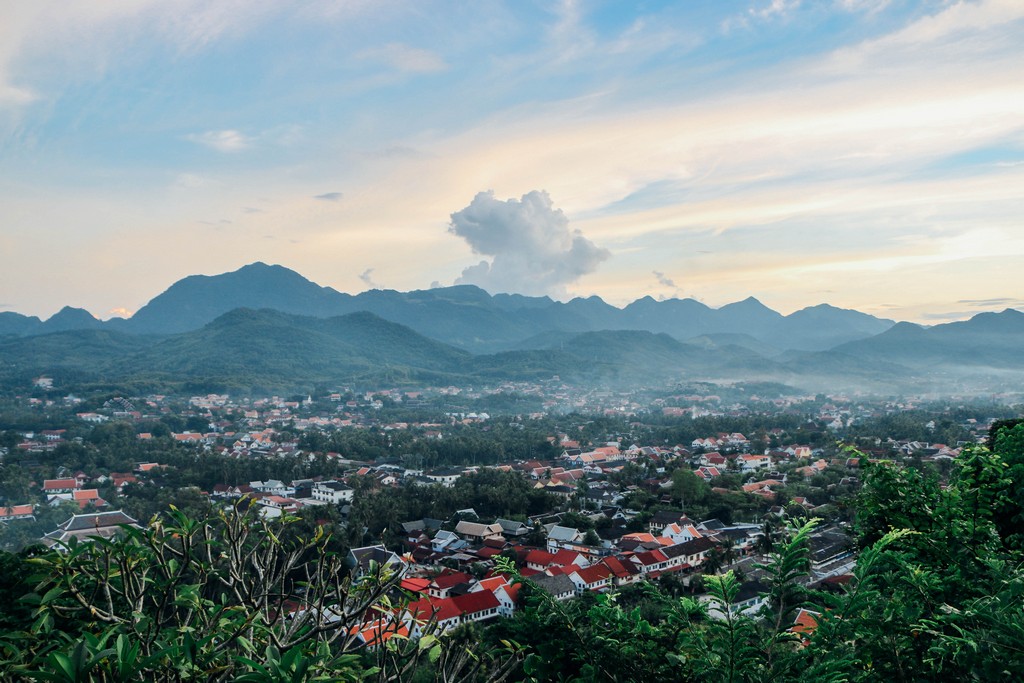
464,315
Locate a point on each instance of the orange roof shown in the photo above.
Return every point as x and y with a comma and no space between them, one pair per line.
16,510
379,631
494,583
806,622
56,484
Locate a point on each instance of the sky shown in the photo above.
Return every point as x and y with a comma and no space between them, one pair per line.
864,153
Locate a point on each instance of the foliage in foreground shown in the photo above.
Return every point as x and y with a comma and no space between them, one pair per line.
234,597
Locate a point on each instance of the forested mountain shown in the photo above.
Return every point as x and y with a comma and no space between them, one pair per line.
991,340
464,315
268,327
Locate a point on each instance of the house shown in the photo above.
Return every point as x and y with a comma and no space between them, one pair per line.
750,463
623,573
707,473
332,492
508,596
445,477
442,584
55,486
448,613
690,553
26,511
273,487
373,633
805,623
476,532
650,563
479,606
87,497
560,586
712,459
362,560
89,526
750,598
444,614
541,560
663,518
596,577
446,540
512,528
829,546
563,537
680,533
276,506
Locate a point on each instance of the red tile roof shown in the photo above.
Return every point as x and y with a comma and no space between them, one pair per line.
474,603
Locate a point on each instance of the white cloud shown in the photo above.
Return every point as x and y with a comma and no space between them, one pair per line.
221,140
405,58
775,8
14,96
533,251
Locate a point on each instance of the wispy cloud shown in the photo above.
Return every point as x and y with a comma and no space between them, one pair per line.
367,277
405,58
774,8
992,303
329,196
228,141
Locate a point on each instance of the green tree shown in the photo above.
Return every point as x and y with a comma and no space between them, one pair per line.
234,597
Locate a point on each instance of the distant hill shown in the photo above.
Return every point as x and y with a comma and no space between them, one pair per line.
464,315
16,324
267,350
71,356
198,299
821,327
988,340
265,325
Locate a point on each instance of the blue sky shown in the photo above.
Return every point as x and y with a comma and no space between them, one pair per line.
868,153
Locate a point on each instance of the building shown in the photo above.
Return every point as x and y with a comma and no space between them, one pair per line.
90,526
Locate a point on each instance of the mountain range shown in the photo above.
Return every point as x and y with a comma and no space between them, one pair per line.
464,315
265,326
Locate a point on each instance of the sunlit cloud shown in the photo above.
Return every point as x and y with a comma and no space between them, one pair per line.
531,247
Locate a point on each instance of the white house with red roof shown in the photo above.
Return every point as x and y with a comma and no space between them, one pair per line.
597,577
13,512
56,486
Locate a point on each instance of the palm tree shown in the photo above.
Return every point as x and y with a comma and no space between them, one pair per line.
765,543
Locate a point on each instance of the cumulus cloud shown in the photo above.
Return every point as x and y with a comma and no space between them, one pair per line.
532,248
221,140
328,196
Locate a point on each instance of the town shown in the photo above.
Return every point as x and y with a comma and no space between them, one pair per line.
578,491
